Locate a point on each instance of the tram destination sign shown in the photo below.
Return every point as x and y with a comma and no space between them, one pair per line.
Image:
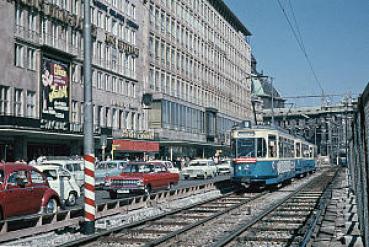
54,95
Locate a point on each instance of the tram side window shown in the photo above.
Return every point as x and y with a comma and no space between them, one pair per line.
298,150
305,151
272,146
261,147
280,146
311,152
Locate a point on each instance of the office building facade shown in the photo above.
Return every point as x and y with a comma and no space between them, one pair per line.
199,63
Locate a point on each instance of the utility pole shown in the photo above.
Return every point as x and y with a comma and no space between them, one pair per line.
88,138
271,82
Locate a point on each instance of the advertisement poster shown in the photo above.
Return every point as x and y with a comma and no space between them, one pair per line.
55,95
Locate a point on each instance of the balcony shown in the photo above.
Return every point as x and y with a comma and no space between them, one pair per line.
60,44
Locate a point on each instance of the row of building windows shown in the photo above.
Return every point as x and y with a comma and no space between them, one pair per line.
180,117
199,13
25,57
70,40
17,102
109,117
165,82
110,57
202,40
194,70
105,81
113,25
76,6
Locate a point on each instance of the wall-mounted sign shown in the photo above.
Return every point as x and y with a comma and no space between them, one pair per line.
55,95
138,134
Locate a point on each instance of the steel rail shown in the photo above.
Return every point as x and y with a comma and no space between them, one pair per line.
230,237
98,235
201,222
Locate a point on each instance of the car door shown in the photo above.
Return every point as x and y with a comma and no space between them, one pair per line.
19,199
53,179
38,189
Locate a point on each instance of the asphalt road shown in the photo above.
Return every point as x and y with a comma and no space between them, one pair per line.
103,196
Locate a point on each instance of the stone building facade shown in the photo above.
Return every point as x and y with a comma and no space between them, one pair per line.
171,71
198,61
41,42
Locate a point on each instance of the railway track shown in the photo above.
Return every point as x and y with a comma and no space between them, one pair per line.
190,226
163,228
289,222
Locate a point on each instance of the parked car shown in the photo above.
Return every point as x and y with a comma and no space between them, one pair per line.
140,177
25,190
200,169
108,168
63,182
224,167
76,168
168,164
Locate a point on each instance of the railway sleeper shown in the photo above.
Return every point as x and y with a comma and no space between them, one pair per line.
274,227
190,216
291,213
112,240
285,220
170,223
295,208
243,239
204,210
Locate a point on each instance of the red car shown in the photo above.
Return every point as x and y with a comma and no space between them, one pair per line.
140,177
25,190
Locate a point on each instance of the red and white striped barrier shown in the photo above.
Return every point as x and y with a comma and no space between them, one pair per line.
90,208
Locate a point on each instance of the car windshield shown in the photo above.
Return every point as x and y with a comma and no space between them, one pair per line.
100,166
138,168
198,163
1,176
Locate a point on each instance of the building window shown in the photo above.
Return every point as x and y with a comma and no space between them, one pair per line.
4,100
18,102
19,58
31,104
31,59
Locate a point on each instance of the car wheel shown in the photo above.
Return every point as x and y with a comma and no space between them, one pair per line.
72,199
113,195
51,207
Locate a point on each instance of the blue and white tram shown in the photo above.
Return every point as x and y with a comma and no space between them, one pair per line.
269,156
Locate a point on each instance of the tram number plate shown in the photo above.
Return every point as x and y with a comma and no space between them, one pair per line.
123,191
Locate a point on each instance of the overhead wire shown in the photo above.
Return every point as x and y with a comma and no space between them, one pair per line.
301,46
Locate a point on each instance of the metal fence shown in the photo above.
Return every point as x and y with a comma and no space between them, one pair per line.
359,161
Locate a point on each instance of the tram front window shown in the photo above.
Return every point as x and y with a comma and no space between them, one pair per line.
246,147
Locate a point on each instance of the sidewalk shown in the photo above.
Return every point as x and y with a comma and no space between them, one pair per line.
339,225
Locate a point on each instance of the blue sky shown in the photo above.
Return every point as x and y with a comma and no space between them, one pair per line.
336,38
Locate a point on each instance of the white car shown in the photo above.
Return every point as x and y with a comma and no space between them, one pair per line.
63,182
200,169
167,164
224,167
76,168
